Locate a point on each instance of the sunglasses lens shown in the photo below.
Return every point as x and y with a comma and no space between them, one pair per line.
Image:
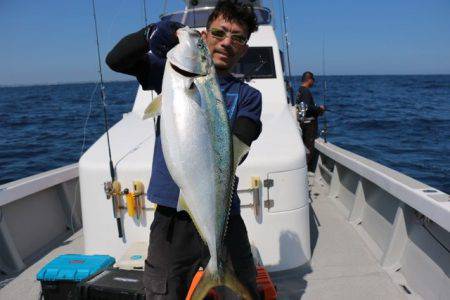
218,33
221,34
239,39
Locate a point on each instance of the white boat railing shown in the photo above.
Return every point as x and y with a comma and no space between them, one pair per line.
404,222
36,214
15,190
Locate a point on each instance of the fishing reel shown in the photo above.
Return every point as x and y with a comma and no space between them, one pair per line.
135,199
324,133
302,108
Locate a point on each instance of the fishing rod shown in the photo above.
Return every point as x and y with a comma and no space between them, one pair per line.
287,52
145,12
194,3
105,114
324,94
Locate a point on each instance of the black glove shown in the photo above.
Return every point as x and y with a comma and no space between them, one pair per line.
162,37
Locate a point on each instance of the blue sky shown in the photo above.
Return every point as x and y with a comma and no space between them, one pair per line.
53,41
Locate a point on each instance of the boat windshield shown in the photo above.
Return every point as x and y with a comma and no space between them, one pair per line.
199,17
258,62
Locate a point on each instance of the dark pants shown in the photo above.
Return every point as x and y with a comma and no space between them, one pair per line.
176,251
309,135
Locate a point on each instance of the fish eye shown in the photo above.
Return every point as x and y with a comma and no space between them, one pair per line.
195,34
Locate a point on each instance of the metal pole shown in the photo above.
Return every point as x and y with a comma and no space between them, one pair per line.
324,93
287,52
145,12
272,14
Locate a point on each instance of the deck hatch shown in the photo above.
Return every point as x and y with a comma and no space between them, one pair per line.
285,190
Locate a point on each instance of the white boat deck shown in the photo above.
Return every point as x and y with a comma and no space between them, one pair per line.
25,286
342,267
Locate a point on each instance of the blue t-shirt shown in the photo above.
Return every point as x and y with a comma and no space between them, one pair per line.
242,101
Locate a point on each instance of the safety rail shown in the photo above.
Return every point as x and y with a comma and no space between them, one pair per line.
405,223
36,214
427,200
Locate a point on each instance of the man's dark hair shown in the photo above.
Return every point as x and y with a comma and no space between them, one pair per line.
307,75
233,11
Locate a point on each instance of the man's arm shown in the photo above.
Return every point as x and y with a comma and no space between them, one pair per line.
315,110
247,126
143,53
248,119
305,96
246,130
129,56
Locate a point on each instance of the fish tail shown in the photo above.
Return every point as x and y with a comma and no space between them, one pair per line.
233,283
210,280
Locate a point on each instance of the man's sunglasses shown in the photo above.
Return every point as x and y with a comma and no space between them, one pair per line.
222,34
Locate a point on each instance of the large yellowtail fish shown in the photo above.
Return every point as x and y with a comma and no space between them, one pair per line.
200,152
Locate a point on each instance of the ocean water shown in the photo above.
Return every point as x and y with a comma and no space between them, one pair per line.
402,122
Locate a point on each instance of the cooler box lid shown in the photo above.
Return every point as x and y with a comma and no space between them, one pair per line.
134,257
74,267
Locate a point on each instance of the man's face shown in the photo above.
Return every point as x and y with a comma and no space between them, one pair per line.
226,51
308,82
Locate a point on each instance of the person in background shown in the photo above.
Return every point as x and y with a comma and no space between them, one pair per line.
309,125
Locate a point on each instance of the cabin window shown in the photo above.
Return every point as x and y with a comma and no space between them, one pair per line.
256,63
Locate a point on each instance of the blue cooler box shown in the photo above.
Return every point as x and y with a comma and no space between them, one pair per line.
60,277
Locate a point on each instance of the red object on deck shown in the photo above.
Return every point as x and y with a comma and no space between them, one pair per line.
266,288
212,293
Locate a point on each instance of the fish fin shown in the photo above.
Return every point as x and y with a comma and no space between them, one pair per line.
154,108
210,280
240,149
196,95
182,205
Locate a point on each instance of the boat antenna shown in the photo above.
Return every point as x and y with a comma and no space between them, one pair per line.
164,7
145,12
286,41
105,113
324,93
272,15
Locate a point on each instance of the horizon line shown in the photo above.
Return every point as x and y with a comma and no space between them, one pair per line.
129,80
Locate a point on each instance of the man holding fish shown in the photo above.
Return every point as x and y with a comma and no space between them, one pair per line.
208,120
